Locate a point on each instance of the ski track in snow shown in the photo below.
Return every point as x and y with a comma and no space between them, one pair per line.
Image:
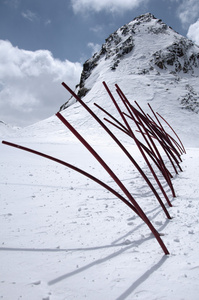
65,237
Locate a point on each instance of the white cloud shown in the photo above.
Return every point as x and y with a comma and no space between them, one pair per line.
47,22
188,12
193,32
94,47
30,84
29,15
82,6
98,29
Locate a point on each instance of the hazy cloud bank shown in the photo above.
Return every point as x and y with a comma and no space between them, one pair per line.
30,84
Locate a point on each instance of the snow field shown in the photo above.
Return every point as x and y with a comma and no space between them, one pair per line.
65,237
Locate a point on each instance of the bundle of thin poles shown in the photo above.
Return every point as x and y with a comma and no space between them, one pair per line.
151,131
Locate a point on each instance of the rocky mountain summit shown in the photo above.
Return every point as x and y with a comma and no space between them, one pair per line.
151,48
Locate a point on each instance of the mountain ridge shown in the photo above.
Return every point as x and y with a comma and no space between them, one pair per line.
167,52
172,93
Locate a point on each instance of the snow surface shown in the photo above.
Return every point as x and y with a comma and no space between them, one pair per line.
6,129
63,237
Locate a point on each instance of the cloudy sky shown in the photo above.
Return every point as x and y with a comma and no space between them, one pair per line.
45,42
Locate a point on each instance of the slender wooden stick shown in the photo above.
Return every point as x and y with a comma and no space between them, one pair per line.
144,156
119,144
75,169
126,192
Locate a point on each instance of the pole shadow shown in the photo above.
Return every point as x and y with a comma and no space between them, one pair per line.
99,261
142,279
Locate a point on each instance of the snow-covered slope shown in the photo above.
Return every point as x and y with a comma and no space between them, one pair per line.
65,237
151,63
147,46
6,130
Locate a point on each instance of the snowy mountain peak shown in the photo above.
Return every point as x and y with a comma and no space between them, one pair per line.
6,129
146,45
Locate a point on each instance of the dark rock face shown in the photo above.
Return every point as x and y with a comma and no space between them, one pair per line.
190,100
114,49
169,52
178,57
